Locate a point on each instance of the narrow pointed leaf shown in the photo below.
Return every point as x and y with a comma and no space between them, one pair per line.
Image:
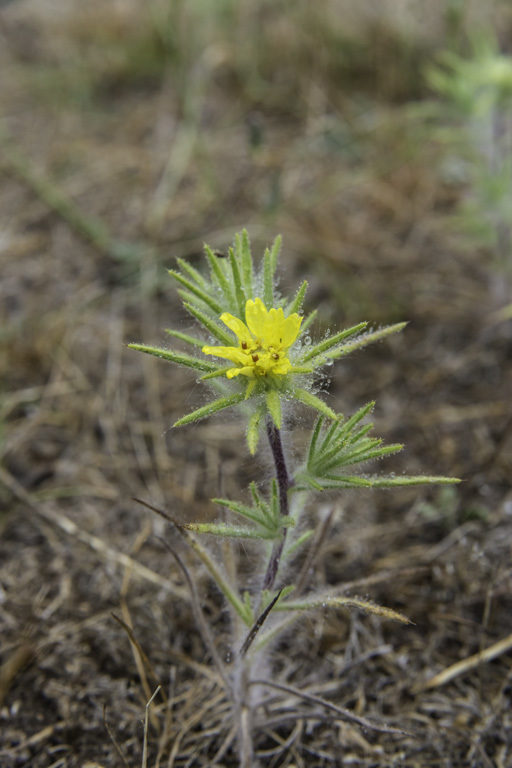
237,283
333,434
218,274
332,341
208,410
203,296
359,435
253,432
255,493
345,481
244,248
251,386
274,253
363,341
296,304
328,468
307,322
216,330
190,298
268,279
180,358
192,340
297,544
247,601
274,407
274,503
359,415
359,457
339,453
193,273
231,531
314,402
262,504
305,480
328,601
217,374
314,439
250,513
390,481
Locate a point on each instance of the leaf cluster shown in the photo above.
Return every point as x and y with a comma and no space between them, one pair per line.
346,444
266,521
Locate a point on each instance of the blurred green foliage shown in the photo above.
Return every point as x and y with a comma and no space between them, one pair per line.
475,120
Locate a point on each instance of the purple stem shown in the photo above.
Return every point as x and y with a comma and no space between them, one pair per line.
284,483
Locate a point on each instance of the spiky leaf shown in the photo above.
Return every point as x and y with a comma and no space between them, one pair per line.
175,357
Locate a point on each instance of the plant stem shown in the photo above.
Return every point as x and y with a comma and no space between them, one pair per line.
284,483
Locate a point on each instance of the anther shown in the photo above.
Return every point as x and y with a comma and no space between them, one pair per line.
255,358
244,345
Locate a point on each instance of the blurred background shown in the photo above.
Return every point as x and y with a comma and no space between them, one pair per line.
377,139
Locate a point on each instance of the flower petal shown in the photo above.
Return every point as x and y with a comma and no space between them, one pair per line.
290,329
271,328
229,353
238,327
282,367
256,316
246,371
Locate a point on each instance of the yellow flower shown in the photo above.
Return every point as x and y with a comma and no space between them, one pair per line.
263,342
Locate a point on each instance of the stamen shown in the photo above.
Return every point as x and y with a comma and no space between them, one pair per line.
255,358
244,345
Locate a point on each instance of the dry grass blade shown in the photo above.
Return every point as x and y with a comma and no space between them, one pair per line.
142,656
465,665
139,661
284,744
201,622
258,624
34,741
199,715
340,712
226,744
113,738
196,604
63,522
218,577
12,666
146,728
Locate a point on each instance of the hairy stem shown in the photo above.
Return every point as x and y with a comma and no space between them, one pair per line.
284,483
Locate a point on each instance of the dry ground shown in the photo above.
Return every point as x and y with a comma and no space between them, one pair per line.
124,144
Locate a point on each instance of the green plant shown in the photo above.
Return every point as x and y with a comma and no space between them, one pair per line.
273,367
476,115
